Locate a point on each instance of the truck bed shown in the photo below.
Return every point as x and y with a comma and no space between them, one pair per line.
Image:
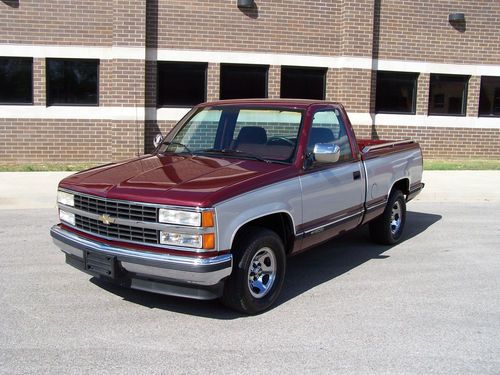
376,147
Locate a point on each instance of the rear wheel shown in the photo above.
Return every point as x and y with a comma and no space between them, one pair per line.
387,229
258,271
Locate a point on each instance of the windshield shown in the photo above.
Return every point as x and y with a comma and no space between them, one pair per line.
259,133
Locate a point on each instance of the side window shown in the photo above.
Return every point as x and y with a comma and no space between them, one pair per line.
327,127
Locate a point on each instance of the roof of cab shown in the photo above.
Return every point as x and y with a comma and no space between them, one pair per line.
292,103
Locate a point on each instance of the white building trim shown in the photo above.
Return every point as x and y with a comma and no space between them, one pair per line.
72,112
424,121
175,114
334,62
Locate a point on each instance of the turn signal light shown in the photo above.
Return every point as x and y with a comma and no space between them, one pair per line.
208,241
207,219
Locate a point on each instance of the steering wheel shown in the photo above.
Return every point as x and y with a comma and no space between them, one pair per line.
280,140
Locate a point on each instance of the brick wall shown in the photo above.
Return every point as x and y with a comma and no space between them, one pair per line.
389,29
63,22
419,30
351,87
442,143
285,26
65,141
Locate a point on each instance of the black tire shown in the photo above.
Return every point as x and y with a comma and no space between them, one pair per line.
387,229
266,249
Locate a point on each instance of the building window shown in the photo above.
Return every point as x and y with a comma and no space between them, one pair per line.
243,81
448,94
72,82
489,99
396,92
303,83
16,80
181,84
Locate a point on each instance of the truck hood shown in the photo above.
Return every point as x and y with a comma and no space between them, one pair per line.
198,181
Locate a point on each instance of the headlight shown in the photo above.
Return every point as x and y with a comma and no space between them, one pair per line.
67,217
65,198
181,239
192,219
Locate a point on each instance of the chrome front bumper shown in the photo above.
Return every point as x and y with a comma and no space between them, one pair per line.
200,278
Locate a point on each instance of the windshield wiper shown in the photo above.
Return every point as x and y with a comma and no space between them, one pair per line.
178,144
231,152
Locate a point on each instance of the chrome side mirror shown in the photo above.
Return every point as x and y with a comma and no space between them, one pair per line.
157,140
326,152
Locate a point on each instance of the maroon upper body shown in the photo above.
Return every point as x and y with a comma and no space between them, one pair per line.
200,180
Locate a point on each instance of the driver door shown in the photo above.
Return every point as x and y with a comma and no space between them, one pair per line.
332,193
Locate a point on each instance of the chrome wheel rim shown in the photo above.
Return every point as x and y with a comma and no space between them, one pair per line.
262,272
396,214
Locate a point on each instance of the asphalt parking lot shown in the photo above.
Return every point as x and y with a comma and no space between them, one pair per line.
428,305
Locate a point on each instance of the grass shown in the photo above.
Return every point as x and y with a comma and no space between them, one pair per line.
45,167
461,165
429,165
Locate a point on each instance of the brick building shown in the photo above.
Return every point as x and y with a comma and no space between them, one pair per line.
94,80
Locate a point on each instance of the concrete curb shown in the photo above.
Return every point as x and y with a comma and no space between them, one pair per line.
23,190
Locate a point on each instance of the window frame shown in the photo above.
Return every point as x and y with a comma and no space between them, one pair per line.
323,70
50,103
352,157
464,99
414,91
205,85
32,88
491,113
266,79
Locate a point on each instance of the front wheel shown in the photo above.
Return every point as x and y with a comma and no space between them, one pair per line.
258,271
387,229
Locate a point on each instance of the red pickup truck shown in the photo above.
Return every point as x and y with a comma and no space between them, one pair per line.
228,194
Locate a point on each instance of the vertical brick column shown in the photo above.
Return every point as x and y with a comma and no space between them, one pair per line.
129,77
213,77
423,94
273,82
473,96
39,82
359,23
332,91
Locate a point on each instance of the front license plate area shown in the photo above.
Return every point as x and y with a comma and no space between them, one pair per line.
100,264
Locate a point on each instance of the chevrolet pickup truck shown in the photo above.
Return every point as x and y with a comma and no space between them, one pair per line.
233,190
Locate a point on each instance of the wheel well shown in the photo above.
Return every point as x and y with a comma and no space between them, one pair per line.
403,185
280,223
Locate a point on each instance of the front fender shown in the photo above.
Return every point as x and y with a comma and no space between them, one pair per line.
284,197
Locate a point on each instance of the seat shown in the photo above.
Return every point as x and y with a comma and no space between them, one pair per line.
252,135
319,135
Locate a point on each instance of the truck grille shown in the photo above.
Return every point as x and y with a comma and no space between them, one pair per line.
118,231
116,209
123,210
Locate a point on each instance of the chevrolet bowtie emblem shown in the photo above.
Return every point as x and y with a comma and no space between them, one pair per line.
106,219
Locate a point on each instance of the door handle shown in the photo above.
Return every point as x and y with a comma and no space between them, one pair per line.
356,175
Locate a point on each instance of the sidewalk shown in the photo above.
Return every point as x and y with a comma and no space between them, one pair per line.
29,189
20,190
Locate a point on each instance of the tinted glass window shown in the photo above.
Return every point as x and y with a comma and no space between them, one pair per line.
71,81
16,80
303,83
243,81
489,100
181,84
327,127
233,132
448,94
396,92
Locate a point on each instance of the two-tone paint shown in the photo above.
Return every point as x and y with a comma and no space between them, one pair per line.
311,202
